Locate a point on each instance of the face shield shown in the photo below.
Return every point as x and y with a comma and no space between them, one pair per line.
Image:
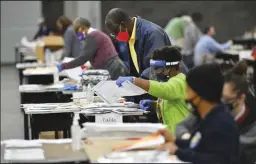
158,69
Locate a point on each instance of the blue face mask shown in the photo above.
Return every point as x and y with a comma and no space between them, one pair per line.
81,36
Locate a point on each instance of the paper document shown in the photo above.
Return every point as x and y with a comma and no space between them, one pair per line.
132,127
31,45
74,73
146,142
110,92
24,154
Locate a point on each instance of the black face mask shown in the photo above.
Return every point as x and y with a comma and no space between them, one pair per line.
162,77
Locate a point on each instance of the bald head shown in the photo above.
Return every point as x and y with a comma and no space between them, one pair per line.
118,20
117,16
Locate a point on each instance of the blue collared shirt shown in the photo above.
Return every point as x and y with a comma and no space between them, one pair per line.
149,37
207,45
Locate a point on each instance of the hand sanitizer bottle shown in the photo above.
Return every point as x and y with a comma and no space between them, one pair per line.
76,133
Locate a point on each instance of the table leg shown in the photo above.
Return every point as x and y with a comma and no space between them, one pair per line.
29,127
26,131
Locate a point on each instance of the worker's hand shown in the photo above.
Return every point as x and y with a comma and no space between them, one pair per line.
145,104
59,67
122,79
169,146
230,42
167,135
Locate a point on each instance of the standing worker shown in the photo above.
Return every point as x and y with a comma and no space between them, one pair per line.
171,107
142,36
98,49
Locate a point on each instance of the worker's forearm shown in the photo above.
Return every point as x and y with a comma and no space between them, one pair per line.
144,84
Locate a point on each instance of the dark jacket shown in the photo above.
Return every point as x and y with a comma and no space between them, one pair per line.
149,37
214,141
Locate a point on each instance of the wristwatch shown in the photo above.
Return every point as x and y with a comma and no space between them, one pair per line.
133,80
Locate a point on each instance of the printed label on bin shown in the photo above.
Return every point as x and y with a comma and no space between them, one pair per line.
109,118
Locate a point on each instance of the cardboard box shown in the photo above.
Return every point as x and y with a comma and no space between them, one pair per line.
52,42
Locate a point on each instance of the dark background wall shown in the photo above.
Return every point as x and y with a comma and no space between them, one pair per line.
230,18
52,10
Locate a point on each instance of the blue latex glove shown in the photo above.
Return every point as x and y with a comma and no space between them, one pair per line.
145,104
59,67
70,87
122,79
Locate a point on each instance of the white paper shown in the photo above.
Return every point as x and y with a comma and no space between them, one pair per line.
24,154
247,54
109,118
110,92
74,73
22,143
31,45
140,127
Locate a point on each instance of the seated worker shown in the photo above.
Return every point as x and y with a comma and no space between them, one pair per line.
206,47
72,45
216,138
98,49
43,30
171,91
192,34
141,38
175,29
236,96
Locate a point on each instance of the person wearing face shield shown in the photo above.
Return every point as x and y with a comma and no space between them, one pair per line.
98,49
215,139
169,87
137,37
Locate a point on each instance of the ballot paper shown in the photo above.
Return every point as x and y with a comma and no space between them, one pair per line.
75,72
22,143
246,54
110,92
132,127
143,143
24,154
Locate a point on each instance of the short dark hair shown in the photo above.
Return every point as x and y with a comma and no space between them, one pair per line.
207,29
197,16
65,22
168,54
83,22
117,15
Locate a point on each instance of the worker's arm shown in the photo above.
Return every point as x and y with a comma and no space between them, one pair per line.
217,47
173,89
88,51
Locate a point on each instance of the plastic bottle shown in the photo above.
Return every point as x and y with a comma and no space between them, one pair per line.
76,133
47,56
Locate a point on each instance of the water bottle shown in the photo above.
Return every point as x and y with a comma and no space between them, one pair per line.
76,133
48,56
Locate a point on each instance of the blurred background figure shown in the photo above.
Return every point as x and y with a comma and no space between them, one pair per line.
175,29
72,45
43,29
206,47
192,34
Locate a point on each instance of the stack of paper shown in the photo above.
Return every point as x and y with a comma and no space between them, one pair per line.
143,143
132,127
24,154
